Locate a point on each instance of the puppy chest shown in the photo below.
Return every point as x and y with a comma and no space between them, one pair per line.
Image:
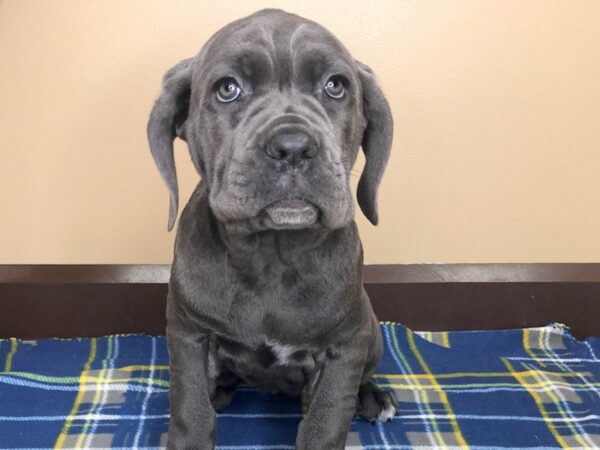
270,365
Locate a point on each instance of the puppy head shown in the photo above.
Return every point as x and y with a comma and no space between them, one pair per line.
274,109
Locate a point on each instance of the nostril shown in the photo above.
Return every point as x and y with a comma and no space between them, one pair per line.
309,152
276,152
280,153
291,147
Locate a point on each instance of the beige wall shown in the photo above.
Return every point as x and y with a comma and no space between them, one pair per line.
496,154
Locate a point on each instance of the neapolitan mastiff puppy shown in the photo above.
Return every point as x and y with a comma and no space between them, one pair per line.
266,283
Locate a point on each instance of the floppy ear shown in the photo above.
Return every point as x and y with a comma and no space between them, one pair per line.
376,141
167,121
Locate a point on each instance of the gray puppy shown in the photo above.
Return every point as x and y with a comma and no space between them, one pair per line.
266,283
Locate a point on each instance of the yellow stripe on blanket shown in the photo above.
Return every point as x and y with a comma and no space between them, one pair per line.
82,381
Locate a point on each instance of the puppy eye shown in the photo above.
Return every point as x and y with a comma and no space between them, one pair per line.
335,88
228,90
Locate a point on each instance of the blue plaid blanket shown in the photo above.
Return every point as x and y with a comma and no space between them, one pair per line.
536,388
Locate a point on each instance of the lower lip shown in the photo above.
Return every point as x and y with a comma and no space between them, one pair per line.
293,213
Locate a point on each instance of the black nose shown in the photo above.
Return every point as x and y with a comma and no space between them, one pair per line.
292,148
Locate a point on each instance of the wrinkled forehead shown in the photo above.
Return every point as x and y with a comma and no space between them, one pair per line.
285,47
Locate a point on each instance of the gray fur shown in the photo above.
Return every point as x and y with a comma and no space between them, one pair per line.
264,291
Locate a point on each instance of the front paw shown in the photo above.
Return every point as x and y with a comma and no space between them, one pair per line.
182,443
376,404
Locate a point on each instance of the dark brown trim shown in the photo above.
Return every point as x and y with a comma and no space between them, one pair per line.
483,273
91,300
373,274
85,273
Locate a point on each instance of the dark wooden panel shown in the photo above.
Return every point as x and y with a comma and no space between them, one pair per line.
92,300
481,306
68,310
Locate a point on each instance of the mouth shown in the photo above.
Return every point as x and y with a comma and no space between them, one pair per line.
291,214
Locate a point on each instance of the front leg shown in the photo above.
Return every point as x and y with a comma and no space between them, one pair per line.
333,397
192,423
